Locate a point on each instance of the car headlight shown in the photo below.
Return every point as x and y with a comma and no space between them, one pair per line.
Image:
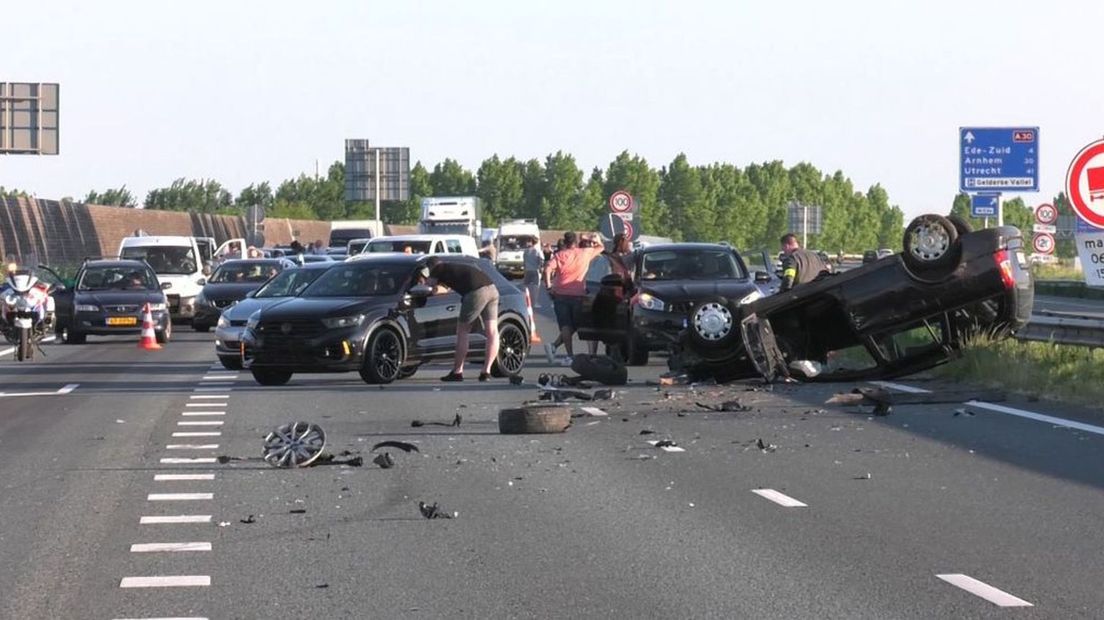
650,302
223,322
750,297
157,307
253,321
87,308
343,321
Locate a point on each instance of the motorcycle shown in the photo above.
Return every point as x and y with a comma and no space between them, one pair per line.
26,312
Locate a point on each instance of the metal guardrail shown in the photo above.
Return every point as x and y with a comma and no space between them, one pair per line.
1064,328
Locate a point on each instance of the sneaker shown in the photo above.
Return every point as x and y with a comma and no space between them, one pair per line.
484,376
566,361
453,376
550,352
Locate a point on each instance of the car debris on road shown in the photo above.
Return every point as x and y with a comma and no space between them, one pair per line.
433,511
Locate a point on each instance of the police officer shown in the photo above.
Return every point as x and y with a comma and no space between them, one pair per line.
798,265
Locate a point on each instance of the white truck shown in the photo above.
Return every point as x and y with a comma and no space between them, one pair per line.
344,231
451,215
514,236
178,262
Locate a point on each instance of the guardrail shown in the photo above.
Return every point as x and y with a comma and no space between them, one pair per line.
1068,288
1064,328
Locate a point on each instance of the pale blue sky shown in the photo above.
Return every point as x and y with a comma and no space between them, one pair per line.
251,91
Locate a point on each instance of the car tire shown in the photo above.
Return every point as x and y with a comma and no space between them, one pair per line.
601,368
203,329
534,419
271,377
383,356
407,372
961,225
165,335
931,243
230,362
713,324
70,336
512,347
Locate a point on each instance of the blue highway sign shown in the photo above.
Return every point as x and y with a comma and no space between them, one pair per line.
998,159
984,205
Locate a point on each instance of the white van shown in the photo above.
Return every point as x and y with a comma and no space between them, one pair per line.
422,244
513,236
179,264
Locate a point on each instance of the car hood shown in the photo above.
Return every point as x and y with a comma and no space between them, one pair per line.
119,298
230,290
693,290
317,308
246,307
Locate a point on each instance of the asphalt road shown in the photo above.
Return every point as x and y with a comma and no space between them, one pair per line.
593,522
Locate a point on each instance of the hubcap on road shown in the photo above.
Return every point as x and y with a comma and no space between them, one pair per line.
713,321
294,445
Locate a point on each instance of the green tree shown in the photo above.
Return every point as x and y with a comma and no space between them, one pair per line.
563,182
633,174
501,190
680,189
449,178
12,193
322,196
255,194
115,197
532,189
199,196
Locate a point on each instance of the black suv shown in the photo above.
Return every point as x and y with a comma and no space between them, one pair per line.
107,299
368,316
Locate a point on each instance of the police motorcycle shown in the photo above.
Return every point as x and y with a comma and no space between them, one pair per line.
26,312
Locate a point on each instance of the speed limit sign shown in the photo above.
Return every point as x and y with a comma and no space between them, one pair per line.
1044,243
1046,214
621,202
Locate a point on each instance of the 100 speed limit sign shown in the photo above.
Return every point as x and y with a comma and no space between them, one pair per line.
621,202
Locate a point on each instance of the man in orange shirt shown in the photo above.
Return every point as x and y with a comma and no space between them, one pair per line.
565,277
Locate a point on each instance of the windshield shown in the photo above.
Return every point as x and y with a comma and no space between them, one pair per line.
288,283
690,265
416,247
117,278
359,280
512,243
356,247
166,259
244,272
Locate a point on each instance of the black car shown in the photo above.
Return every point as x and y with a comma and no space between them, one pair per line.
892,317
229,284
107,299
645,309
369,316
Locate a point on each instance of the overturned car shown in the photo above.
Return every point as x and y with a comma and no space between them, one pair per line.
895,316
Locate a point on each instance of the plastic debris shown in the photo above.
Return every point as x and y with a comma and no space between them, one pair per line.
434,512
398,445
384,460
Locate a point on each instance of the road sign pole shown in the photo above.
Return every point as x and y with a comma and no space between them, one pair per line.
986,224
805,226
1000,210
377,152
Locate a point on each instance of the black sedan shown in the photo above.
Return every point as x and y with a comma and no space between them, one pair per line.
892,317
231,282
645,310
369,316
108,298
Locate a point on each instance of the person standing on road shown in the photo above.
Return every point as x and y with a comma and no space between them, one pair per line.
532,261
489,251
565,277
478,298
623,252
799,266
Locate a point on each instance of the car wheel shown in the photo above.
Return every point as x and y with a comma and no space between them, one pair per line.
511,351
931,243
712,324
230,362
382,357
71,336
271,377
961,225
164,335
407,371
203,329
534,419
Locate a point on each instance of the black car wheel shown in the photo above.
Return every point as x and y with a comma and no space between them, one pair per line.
271,377
230,362
712,324
382,357
931,243
407,371
203,329
71,336
511,351
961,225
165,335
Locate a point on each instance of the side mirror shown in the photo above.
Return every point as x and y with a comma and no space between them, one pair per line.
201,281
166,285
613,279
762,277
420,291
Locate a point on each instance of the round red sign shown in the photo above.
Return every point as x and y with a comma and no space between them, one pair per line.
1085,184
1046,214
1044,243
621,202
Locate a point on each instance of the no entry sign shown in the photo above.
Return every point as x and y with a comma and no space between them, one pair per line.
1085,184
1044,243
621,202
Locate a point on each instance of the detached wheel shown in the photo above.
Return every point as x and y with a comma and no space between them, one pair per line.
534,419
294,445
382,357
511,351
931,243
230,362
271,377
712,324
165,335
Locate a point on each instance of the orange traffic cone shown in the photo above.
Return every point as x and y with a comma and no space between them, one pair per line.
535,337
149,339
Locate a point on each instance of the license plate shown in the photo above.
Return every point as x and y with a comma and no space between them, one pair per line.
122,320
1021,260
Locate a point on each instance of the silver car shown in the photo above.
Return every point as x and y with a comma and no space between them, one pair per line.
281,287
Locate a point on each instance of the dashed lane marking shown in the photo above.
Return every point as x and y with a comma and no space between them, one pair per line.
208,397
178,460
171,581
192,446
208,405
173,618
169,547
195,413
997,597
210,389
173,519
64,390
181,477
779,498
211,377
200,423
198,434
179,497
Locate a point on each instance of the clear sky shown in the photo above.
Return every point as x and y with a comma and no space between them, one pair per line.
245,91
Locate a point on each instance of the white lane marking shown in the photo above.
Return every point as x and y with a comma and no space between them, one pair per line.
201,397
594,411
179,497
12,349
176,460
900,387
195,413
198,434
174,519
68,388
984,590
208,405
226,385
201,423
1031,415
65,390
226,377
169,547
211,389
173,581
779,498
192,446
181,477
173,618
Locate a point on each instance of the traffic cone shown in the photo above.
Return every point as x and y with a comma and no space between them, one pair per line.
148,340
535,337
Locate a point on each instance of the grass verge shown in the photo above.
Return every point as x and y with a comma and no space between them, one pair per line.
1056,272
1057,372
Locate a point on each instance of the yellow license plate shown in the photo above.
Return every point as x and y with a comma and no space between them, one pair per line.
122,320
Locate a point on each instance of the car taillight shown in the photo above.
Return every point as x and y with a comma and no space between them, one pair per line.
1004,265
